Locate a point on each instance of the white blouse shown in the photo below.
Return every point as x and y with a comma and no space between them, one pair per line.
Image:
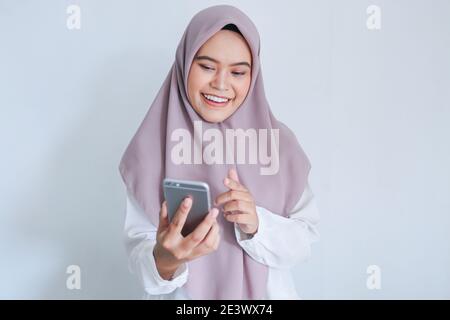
280,243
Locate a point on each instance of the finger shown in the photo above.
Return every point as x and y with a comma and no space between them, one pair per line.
233,195
213,242
232,173
210,238
216,243
238,205
163,217
199,233
180,216
239,218
234,185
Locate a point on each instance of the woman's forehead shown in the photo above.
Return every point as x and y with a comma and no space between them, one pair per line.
227,47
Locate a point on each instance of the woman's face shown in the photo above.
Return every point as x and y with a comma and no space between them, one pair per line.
220,76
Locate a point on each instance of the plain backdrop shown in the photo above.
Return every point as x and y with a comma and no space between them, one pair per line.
371,108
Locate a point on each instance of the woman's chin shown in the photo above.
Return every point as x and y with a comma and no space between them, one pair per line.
213,115
213,118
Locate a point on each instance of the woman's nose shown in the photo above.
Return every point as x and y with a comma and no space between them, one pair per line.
220,82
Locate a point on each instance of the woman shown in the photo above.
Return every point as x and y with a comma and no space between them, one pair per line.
267,220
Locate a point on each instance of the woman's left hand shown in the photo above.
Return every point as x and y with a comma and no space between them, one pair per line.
239,205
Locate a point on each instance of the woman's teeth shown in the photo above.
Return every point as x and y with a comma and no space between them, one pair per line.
214,98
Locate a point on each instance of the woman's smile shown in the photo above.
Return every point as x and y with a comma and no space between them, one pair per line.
215,101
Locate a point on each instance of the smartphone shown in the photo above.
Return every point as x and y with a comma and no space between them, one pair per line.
176,190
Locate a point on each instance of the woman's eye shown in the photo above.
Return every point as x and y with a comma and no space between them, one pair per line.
238,73
206,67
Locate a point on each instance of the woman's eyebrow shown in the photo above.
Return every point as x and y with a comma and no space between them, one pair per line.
243,63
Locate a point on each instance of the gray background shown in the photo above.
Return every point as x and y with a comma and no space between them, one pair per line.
370,108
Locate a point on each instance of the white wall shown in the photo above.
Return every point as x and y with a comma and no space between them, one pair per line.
370,108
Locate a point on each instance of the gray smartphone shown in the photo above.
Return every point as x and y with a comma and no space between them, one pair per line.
176,190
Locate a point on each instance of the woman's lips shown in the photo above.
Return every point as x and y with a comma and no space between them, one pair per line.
214,103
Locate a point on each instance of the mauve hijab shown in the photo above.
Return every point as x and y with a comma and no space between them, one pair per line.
229,272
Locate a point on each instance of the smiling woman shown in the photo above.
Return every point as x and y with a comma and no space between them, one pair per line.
211,122
220,75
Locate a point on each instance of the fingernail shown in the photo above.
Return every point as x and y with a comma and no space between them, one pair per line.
187,202
214,212
227,181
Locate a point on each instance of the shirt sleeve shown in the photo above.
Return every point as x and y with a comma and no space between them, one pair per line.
282,242
140,239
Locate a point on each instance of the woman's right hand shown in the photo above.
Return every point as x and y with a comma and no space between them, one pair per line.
172,248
